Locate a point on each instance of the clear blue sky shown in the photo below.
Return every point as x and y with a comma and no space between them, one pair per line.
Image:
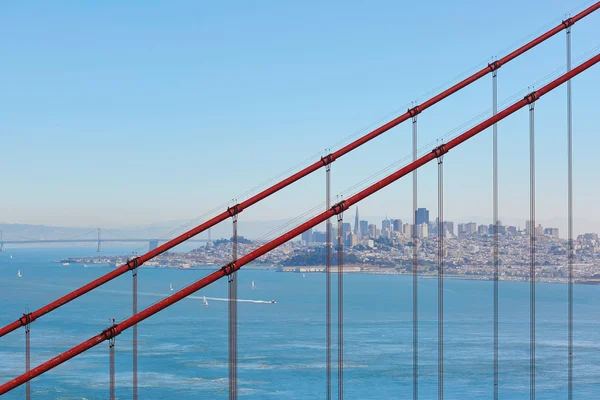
125,113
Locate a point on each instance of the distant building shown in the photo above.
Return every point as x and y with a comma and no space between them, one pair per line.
307,237
470,228
512,230
539,231
482,230
397,225
372,231
551,232
422,230
346,228
422,216
386,224
319,237
407,229
364,229
590,236
351,240
449,226
432,227
356,224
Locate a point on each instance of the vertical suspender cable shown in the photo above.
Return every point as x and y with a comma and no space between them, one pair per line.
328,277
340,252
532,244
111,351
233,319
135,336
495,225
415,266
570,216
27,359
440,230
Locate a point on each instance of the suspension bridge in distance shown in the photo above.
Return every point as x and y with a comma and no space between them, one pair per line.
435,155
80,239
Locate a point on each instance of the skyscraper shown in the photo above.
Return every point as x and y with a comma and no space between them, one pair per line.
386,224
346,228
363,229
307,236
422,216
356,224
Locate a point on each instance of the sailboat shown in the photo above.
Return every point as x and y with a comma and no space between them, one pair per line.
11,256
171,286
304,276
204,301
253,285
84,266
19,273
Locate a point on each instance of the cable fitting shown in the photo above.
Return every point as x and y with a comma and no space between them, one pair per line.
228,268
328,159
439,151
26,319
339,207
133,264
110,332
494,65
568,22
531,97
233,210
413,112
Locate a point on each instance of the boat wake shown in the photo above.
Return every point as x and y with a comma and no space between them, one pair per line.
226,299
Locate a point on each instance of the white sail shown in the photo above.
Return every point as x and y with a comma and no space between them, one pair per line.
171,286
253,286
19,273
204,301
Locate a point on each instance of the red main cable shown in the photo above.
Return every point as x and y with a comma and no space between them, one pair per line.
28,318
336,209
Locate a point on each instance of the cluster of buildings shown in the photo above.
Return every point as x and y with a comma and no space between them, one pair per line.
389,248
365,233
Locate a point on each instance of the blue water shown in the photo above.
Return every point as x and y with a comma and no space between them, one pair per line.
183,351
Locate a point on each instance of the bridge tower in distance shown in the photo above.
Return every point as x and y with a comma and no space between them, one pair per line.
99,241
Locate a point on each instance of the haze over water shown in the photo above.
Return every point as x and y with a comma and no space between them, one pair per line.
183,350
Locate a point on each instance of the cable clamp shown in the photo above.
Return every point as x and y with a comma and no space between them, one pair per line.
328,159
339,207
26,319
494,65
228,268
133,264
568,22
439,151
110,332
531,97
413,112
233,210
